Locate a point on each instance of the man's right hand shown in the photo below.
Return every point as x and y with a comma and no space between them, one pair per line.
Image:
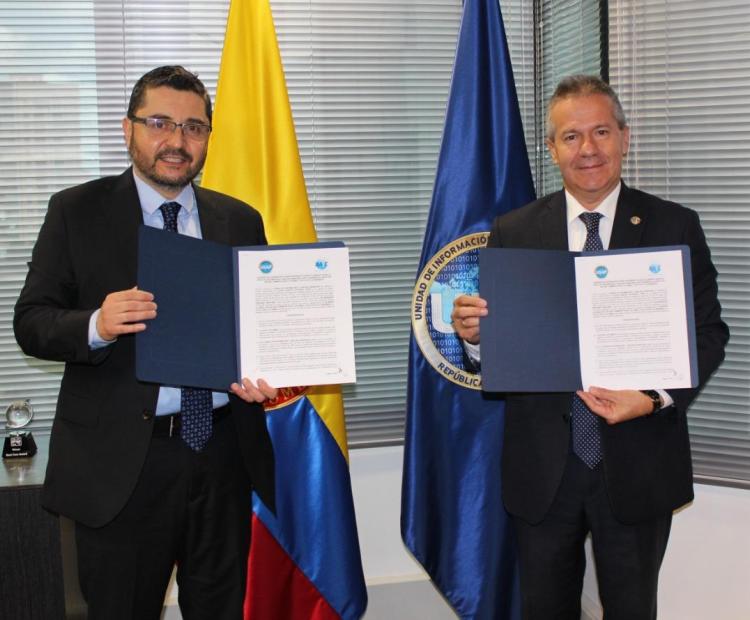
122,312
465,317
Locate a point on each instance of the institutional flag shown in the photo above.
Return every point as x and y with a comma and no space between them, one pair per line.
304,560
452,515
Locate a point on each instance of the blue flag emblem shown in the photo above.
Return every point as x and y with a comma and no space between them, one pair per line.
452,271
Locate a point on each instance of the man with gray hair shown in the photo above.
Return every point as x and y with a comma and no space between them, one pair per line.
612,463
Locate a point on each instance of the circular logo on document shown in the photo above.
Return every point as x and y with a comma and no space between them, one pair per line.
601,272
265,266
321,264
654,268
452,271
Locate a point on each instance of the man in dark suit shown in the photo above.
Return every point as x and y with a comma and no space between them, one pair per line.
151,474
611,463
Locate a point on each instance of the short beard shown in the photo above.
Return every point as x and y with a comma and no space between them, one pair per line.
148,168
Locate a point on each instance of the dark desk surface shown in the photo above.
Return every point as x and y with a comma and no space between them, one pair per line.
20,473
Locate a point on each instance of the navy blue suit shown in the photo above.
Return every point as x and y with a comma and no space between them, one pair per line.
646,470
138,500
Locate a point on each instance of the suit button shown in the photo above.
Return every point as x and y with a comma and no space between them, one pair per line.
566,417
147,415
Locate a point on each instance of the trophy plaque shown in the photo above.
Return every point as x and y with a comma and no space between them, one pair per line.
18,443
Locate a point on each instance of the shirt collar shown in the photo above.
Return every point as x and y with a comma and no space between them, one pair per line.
151,200
606,207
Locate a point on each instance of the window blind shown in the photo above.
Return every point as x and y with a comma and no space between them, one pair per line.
570,43
68,68
680,68
368,82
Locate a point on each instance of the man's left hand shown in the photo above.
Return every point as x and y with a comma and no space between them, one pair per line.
616,406
252,393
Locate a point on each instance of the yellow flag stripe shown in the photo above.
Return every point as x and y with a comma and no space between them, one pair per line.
253,153
330,407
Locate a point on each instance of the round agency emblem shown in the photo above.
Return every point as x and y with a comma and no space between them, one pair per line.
452,271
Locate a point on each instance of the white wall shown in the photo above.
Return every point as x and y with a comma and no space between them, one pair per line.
376,486
706,572
705,576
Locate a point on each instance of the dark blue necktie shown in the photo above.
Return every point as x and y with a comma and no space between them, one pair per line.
587,441
196,404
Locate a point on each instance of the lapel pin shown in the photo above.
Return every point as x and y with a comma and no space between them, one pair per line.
635,220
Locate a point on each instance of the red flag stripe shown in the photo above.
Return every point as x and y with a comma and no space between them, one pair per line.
278,589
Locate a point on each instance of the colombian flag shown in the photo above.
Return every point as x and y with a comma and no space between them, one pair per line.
304,561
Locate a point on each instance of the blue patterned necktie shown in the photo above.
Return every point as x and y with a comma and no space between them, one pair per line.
587,440
196,405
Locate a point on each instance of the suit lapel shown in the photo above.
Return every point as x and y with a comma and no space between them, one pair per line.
213,219
123,211
553,227
630,218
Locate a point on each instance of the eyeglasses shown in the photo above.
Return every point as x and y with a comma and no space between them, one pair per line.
162,127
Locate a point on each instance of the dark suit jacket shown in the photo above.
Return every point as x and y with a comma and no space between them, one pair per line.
647,462
87,248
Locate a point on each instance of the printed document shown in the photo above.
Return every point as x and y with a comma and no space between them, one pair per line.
633,320
295,315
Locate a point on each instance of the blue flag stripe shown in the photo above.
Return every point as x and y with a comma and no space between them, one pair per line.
318,532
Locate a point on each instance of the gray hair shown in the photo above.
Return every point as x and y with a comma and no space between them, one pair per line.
582,86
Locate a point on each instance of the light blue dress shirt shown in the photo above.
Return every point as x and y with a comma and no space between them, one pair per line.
188,223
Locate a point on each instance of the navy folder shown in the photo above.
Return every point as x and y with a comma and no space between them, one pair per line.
193,339
529,338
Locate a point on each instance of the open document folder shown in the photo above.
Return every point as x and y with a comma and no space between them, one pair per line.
559,321
282,313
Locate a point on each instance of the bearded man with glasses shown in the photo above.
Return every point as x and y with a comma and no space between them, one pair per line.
152,475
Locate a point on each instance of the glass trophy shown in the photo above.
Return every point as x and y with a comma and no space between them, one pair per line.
18,443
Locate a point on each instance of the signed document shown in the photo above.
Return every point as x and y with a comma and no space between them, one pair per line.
294,314
633,320
559,321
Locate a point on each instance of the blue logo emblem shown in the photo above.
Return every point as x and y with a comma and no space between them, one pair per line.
321,264
654,268
452,271
601,272
265,266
